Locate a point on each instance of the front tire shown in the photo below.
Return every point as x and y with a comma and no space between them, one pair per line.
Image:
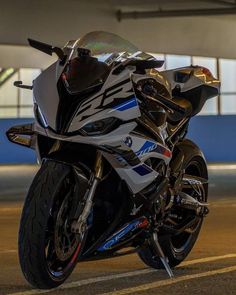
177,247
48,251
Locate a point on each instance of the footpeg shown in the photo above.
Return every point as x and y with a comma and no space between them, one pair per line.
186,201
161,255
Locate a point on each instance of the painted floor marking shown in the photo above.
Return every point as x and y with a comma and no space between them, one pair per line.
124,275
8,251
168,282
218,167
10,209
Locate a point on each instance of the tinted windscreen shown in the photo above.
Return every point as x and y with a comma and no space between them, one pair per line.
101,43
105,48
84,72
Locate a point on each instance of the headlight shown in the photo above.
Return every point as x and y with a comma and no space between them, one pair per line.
100,127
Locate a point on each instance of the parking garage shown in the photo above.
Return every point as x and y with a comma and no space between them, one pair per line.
182,34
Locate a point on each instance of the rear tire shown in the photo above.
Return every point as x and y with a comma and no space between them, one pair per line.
175,248
40,231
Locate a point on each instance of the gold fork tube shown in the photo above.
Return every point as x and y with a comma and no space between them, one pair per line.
98,165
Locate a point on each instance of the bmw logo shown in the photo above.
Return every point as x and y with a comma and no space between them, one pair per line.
128,141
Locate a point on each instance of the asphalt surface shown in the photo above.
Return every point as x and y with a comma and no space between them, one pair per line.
209,269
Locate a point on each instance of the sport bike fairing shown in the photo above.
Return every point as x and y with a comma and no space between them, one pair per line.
105,47
116,100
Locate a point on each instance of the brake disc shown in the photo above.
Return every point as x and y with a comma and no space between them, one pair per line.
65,241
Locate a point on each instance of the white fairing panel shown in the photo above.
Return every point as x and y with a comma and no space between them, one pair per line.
115,99
47,97
141,175
137,176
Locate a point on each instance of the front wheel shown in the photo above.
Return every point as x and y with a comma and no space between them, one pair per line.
177,247
48,250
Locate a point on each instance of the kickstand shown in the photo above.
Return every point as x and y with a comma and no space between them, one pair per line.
161,255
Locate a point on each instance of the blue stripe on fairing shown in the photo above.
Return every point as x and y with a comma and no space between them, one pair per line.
148,146
126,105
118,236
142,170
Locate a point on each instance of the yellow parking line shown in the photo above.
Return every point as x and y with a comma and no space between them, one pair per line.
122,275
163,283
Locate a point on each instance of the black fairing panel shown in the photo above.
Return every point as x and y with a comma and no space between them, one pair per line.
65,151
81,78
84,72
198,96
68,105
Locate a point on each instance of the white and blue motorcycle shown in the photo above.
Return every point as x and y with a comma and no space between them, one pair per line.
116,170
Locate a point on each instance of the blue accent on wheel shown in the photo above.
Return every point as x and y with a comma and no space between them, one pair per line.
142,170
127,105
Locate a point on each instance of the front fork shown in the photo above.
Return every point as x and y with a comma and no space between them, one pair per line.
79,226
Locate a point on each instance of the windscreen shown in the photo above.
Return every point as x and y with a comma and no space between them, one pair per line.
105,48
102,43
109,47
88,71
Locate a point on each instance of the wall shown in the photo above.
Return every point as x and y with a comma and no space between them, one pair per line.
49,21
19,56
216,136
11,153
199,36
53,21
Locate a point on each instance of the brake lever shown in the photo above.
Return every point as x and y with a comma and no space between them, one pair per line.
20,85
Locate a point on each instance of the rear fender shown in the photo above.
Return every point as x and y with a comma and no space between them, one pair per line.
183,152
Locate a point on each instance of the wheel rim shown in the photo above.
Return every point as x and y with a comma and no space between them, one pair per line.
62,247
181,241
65,241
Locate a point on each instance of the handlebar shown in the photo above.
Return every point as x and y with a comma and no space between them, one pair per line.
172,105
166,102
20,85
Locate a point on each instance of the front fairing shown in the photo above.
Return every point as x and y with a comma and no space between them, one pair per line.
65,112
46,96
116,99
45,89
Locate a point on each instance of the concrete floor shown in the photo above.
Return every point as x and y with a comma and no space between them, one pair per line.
209,269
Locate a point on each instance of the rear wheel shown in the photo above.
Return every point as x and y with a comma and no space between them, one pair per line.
48,250
177,247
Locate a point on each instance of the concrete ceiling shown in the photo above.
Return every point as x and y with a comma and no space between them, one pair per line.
171,4
162,8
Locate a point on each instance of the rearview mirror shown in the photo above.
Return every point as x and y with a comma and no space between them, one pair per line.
47,48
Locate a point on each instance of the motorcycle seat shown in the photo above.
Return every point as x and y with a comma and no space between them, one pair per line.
185,104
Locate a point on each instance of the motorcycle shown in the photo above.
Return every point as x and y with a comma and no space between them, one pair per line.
117,173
